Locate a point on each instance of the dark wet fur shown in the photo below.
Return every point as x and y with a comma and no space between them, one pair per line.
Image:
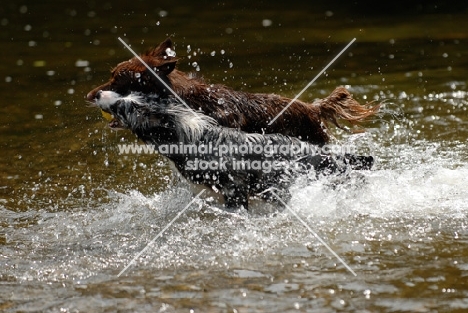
164,121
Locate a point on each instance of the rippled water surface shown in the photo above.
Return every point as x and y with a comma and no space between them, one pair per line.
74,213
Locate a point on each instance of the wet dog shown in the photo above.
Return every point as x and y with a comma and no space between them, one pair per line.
250,112
234,163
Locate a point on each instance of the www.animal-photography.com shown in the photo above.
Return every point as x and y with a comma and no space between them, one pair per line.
273,156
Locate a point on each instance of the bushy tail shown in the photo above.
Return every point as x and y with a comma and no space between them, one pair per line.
341,105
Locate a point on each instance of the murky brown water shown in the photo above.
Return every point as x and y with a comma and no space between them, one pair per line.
74,213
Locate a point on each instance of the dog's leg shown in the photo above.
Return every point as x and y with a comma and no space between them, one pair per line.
235,196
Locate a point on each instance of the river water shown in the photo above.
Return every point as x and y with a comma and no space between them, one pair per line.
74,213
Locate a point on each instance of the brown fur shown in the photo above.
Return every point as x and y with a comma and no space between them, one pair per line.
250,112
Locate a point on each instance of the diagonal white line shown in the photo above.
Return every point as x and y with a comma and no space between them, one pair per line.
156,75
315,235
311,82
159,234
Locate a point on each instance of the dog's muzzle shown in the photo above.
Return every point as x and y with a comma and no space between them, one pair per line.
102,101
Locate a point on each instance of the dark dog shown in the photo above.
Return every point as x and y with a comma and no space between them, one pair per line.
226,164
250,112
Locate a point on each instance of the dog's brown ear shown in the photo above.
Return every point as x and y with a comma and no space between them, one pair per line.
168,66
163,57
164,50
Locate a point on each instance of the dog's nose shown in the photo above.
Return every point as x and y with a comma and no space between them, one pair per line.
90,96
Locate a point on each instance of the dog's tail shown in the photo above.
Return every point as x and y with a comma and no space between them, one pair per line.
341,105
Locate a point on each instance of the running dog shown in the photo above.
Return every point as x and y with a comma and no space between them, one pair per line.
234,163
250,112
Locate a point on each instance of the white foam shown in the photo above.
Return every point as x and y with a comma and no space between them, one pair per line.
405,198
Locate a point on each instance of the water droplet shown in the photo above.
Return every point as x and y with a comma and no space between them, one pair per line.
367,293
39,63
194,64
38,116
213,53
50,73
23,9
57,102
231,65
221,101
81,63
8,79
170,52
27,27
162,13
267,23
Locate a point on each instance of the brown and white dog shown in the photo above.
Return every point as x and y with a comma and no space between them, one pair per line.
249,112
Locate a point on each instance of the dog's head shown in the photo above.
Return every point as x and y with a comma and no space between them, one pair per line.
123,112
152,118
133,76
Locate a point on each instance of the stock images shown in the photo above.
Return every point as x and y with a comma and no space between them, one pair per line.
234,157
